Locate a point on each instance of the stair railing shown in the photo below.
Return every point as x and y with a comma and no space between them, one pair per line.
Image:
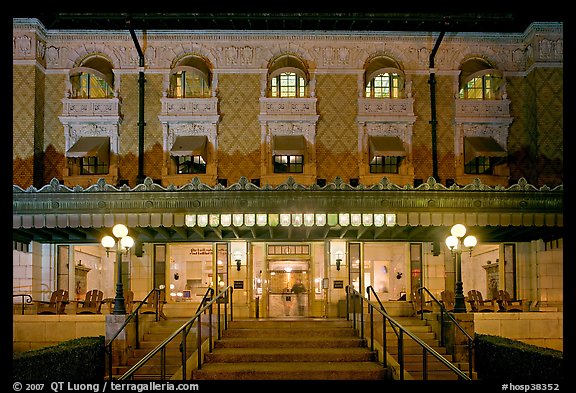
133,315
446,313
26,299
222,298
354,294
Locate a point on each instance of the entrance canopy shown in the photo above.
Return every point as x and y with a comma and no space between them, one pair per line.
289,211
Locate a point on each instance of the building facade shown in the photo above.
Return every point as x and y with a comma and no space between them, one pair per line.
257,159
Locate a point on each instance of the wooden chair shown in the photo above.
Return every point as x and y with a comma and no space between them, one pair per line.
448,299
56,304
149,306
91,304
478,304
419,305
506,303
128,302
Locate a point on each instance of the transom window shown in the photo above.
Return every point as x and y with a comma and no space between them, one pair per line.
190,164
384,164
385,85
93,166
483,87
288,85
288,164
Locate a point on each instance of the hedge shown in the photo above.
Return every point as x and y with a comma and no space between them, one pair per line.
80,359
503,359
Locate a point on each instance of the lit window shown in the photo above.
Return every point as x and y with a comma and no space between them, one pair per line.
483,87
189,84
288,164
288,85
190,164
384,164
386,85
86,85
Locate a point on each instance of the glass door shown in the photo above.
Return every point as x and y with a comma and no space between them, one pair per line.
289,288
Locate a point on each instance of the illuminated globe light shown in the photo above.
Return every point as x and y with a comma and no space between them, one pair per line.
470,241
108,241
120,230
451,242
458,230
127,242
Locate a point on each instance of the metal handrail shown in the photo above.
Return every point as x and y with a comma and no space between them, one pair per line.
226,296
134,314
350,291
371,289
444,312
24,302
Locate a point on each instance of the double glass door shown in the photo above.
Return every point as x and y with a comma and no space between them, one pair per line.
289,288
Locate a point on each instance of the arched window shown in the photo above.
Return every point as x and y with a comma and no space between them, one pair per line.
93,79
480,81
383,79
288,78
190,79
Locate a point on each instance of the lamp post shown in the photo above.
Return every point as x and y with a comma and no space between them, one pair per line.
123,243
455,243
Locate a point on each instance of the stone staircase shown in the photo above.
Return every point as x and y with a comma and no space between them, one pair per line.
292,349
157,332
413,362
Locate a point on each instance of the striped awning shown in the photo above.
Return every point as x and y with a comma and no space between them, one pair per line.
189,145
480,146
382,146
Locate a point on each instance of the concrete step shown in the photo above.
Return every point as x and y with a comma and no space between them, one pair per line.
287,324
271,342
294,354
290,371
297,349
335,332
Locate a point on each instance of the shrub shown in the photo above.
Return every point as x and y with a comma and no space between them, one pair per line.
499,358
74,360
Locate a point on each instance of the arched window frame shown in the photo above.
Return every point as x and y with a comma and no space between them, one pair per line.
395,81
87,82
183,83
482,85
279,87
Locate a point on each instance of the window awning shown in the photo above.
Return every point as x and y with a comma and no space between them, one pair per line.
381,146
189,145
481,146
91,146
288,145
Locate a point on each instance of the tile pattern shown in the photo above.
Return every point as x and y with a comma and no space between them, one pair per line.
535,155
239,129
337,130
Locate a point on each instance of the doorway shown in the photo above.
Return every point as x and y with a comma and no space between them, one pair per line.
289,288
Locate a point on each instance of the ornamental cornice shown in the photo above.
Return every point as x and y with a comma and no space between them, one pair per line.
250,50
246,197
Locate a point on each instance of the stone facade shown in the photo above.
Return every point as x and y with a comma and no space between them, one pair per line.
531,63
